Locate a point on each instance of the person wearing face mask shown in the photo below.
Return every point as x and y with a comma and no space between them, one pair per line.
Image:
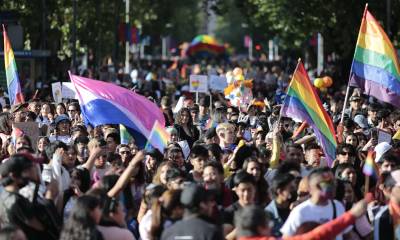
320,208
345,193
283,190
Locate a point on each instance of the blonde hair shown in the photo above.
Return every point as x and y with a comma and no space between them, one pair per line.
225,126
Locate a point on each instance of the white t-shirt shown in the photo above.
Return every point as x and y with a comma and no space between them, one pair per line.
145,226
309,212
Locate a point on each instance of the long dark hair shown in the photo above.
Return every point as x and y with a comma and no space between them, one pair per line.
162,209
4,126
80,224
179,117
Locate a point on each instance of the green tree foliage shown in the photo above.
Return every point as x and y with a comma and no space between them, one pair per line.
294,22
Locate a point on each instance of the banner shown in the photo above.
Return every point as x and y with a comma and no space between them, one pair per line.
198,83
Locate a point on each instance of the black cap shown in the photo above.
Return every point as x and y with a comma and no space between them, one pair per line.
16,164
193,194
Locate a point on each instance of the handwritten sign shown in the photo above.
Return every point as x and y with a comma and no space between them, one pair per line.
57,93
198,83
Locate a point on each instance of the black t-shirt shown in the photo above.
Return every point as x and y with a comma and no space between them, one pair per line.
283,213
17,210
192,228
229,213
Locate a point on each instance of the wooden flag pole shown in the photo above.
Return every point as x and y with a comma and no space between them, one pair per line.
366,185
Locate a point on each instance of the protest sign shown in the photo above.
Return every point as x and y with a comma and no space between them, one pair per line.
30,129
68,90
218,83
57,93
198,83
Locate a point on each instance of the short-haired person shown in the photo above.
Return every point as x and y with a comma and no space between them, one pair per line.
284,192
385,220
198,158
254,224
320,208
198,204
213,178
226,135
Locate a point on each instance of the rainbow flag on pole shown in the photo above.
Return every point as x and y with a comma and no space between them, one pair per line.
13,85
370,167
124,134
158,138
375,68
303,104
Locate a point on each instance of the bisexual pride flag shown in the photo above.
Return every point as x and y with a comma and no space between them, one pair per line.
107,103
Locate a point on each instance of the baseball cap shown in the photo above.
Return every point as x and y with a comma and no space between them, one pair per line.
381,149
361,121
60,118
18,107
16,164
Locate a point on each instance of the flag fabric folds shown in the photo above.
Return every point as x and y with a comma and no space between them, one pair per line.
158,138
107,103
303,104
125,137
375,68
13,85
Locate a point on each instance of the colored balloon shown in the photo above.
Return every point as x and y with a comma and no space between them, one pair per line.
327,81
237,71
239,77
318,82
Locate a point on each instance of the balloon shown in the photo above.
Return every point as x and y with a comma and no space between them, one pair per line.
327,81
239,77
323,89
237,71
318,82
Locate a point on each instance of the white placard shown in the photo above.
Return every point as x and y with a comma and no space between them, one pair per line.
218,83
57,94
68,90
198,83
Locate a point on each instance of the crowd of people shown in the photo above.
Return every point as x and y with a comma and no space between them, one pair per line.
227,173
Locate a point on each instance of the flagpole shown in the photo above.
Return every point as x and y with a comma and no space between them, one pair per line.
366,185
346,98
295,70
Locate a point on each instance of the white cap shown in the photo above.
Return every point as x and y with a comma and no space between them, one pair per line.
381,149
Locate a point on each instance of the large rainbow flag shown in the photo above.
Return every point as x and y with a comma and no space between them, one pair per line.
303,104
375,68
205,46
13,85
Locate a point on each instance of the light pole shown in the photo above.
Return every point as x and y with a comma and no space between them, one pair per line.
126,39
74,35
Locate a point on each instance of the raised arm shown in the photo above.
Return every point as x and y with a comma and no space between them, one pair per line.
126,175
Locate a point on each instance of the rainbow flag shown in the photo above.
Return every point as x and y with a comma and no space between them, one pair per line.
13,85
375,68
158,138
370,167
303,104
211,123
124,134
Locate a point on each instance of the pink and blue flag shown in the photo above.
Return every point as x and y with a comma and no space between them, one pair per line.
13,85
107,103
